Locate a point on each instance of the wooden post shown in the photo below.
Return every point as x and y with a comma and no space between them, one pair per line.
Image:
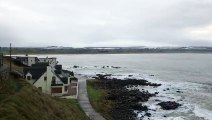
10,58
1,60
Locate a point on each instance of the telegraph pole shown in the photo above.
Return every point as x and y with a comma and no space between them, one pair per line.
10,58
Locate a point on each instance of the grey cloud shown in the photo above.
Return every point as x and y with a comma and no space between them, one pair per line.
103,23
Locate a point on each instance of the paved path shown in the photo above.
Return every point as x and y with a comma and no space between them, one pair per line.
84,101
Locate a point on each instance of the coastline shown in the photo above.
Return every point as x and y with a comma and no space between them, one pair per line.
128,102
168,92
189,98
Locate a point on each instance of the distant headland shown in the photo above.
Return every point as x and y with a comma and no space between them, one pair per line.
105,50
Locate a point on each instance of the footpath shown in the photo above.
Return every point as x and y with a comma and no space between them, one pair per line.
84,100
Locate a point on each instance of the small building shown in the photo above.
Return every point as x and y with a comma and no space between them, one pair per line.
50,81
27,60
52,61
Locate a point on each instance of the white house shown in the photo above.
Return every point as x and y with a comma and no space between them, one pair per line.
27,60
52,61
48,80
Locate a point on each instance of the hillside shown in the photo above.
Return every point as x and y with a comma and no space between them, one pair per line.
19,100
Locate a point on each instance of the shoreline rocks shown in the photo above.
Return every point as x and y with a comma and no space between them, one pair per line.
127,103
169,105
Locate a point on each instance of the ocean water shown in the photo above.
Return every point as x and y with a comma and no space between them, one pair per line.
189,73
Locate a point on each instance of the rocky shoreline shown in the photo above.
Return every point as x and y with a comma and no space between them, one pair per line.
128,103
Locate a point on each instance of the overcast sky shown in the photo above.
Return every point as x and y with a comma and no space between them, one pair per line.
81,23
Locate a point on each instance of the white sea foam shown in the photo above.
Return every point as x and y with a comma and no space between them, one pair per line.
200,112
167,92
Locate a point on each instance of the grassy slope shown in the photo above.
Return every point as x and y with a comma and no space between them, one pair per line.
96,97
14,67
28,103
19,100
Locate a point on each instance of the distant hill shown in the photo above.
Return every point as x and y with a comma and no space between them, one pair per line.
106,50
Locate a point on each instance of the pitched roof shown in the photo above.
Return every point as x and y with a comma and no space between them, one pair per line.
22,58
58,67
36,72
69,72
64,80
57,72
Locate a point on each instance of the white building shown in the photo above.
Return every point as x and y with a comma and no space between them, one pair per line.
48,80
26,60
52,61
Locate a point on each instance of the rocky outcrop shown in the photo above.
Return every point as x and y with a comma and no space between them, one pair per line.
125,102
169,105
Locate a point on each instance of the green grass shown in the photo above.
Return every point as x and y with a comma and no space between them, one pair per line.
31,104
96,97
19,100
74,104
13,65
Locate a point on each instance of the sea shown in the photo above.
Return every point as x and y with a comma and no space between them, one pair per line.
188,73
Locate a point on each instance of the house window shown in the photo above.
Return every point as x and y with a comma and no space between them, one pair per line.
28,77
66,88
45,78
40,88
53,80
56,90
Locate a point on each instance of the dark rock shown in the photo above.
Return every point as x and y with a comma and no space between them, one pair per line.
115,67
75,66
125,101
148,114
140,107
169,105
156,100
130,75
179,91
